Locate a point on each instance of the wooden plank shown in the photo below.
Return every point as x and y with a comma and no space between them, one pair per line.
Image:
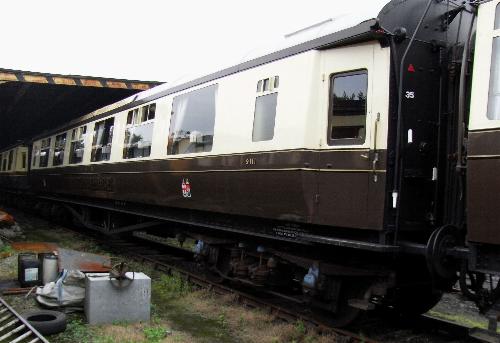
8,77
91,83
35,78
64,81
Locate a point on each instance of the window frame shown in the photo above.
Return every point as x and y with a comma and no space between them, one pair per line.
138,112
11,161
346,141
79,137
273,83
55,158
496,25
111,136
24,160
35,155
170,142
265,94
494,77
42,148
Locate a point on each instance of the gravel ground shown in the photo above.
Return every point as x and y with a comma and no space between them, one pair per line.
455,308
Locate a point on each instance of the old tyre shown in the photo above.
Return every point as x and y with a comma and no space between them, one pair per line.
46,322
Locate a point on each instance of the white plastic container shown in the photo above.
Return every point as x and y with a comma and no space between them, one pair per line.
50,269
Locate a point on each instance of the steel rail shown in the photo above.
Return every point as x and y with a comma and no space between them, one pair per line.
144,254
287,315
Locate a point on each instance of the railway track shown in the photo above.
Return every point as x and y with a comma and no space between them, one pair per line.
173,260
163,262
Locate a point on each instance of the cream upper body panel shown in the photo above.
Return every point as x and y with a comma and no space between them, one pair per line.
14,160
375,61
486,72
300,116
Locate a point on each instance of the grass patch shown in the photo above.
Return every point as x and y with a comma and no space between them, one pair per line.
6,249
179,312
170,286
459,320
155,334
76,331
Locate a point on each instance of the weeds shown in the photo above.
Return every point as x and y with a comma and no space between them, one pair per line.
300,327
76,331
155,334
222,321
105,339
460,319
6,250
168,287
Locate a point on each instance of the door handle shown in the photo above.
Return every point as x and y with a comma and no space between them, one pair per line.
375,154
374,166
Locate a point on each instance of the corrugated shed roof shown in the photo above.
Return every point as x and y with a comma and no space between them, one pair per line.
32,102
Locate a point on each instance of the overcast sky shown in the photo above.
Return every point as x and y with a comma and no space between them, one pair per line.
151,39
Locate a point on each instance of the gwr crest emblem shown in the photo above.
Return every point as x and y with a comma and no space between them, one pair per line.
186,188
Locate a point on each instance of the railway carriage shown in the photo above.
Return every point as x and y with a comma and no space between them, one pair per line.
14,168
333,171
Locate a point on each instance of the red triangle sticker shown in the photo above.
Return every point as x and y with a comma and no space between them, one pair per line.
411,68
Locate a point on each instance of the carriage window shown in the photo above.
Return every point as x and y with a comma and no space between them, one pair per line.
139,132
497,18
347,115
264,117
44,153
494,94
59,147
36,154
259,86
23,160
268,85
192,122
11,159
103,137
4,162
77,144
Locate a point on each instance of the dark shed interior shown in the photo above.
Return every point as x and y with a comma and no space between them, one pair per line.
32,103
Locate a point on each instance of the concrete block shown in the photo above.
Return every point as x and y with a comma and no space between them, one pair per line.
106,303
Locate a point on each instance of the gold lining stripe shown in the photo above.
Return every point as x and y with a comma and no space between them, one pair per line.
486,130
228,170
238,154
474,157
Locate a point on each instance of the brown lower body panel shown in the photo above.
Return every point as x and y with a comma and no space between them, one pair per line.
483,187
278,186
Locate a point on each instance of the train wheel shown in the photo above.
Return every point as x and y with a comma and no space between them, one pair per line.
414,301
346,314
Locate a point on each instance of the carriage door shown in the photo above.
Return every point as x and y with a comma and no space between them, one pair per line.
352,159
483,160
